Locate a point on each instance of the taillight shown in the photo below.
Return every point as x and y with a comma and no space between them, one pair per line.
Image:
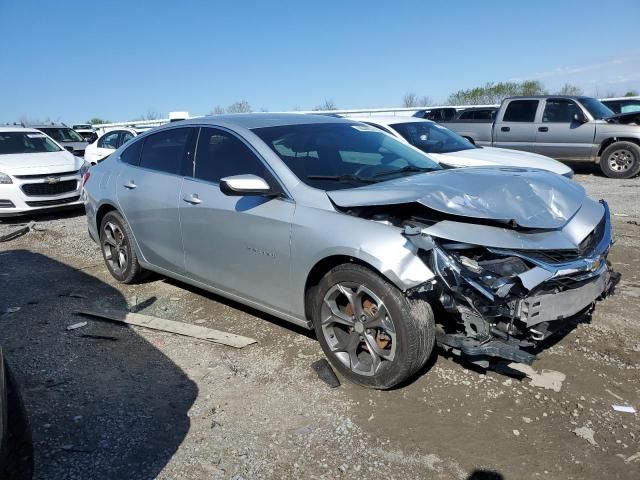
85,177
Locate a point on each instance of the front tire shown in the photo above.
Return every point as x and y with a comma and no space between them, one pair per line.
620,160
368,329
116,243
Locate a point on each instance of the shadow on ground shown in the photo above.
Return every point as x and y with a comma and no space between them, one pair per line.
103,402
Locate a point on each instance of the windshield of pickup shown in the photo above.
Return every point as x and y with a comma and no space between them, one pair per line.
62,134
332,156
431,137
596,108
25,142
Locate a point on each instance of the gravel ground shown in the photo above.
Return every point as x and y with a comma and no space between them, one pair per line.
141,404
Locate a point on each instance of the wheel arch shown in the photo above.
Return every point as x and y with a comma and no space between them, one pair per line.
611,140
102,211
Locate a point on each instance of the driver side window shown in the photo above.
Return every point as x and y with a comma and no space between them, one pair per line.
109,140
220,154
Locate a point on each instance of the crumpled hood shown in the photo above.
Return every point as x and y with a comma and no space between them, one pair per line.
478,157
527,197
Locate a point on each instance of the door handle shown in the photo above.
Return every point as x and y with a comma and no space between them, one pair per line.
192,199
505,129
130,185
543,129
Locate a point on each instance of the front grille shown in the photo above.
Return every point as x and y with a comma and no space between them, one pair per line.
585,248
49,189
46,175
6,204
49,203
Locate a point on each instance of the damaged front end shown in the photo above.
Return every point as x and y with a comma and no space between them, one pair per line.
503,302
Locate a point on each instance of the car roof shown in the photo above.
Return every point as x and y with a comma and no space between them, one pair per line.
18,128
259,120
389,119
542,97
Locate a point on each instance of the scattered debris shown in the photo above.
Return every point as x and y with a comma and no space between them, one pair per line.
620,215
73,295
99,337
549,379
585,433
325,373
17,233
516,433
200,321
197,310
171,326
624,408
633,222
632,458
613,394
77,325
10,310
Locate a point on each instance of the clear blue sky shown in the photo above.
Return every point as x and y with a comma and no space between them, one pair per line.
72,60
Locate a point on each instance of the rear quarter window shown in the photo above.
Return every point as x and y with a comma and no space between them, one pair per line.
131,154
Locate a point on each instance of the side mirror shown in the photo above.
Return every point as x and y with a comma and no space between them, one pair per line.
580,118
241,185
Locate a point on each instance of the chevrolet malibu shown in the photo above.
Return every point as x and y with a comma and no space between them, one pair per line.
338,227
36,173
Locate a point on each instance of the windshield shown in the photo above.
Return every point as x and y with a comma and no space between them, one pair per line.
25,142
332,156
63,134
431,137
596,108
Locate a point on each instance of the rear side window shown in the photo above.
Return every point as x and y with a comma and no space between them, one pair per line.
521,111
131,154
220,154
165,150
559,110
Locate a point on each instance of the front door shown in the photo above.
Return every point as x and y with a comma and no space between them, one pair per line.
239,244
560,136
149,195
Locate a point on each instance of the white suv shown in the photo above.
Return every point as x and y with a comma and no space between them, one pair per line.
36,173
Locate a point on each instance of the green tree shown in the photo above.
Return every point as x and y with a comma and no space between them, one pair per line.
631,93
492,92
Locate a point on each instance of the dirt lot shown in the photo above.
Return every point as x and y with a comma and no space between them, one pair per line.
141,404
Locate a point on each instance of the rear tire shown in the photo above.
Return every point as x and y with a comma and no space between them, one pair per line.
620,160
368,329
116,243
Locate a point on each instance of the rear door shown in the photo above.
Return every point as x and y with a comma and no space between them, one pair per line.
237,243
561,137
515,126
149,195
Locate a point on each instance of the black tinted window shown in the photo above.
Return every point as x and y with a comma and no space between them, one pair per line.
220,154
467,115
165,150
559,110
521,111
131,154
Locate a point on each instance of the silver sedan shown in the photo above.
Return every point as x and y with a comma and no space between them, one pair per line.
334,225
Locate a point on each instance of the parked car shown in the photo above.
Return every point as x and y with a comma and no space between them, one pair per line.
16,449
623,105
561,127
449,148
65,136
439,114
107,144
476,114
86,131
334,225
36,173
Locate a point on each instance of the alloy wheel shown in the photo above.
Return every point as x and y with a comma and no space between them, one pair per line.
358,328
621,160
115,248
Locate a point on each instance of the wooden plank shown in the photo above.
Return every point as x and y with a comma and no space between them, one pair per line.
171,326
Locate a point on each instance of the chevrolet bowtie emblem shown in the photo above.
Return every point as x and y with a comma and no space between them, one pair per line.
52,180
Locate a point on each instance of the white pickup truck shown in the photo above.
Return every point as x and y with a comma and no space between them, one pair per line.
564,128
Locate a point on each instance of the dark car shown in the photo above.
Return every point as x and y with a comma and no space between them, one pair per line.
16,459
623,105
65,136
